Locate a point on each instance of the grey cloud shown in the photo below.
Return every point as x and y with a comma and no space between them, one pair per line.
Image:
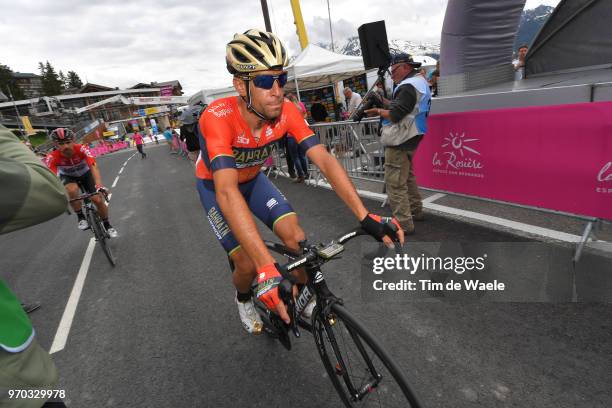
342,29
120,42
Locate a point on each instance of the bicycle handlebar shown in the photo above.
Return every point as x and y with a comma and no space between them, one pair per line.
318,255
89,195
325,252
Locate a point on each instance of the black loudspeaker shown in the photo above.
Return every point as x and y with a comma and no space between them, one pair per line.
374,45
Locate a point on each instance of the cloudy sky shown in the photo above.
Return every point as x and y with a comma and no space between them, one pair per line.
123,42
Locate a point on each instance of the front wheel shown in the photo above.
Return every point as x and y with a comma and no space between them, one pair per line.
361,371
101,236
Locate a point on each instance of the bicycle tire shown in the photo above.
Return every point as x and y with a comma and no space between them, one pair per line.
347,331
101,236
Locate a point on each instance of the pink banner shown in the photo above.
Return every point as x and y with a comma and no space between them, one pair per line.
166,91
102,149
554,157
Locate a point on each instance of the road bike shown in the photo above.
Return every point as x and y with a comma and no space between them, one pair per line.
95,223
360,369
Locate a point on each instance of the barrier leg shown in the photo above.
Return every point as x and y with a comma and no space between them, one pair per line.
585,237
384,191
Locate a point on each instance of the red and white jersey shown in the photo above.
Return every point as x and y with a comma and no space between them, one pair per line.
75,166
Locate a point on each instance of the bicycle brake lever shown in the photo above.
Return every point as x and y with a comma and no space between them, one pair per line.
391,230
285,290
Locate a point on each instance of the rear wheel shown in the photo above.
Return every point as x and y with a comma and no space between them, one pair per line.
362,372
101,236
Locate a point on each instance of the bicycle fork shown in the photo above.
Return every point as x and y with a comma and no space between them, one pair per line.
341,368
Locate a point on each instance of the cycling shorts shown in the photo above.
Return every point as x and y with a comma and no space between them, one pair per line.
263,198
86,181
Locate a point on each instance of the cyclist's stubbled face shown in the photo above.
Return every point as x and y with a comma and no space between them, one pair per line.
65,148
268,101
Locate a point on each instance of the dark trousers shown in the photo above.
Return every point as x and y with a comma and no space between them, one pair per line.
290,165
142,153
297,156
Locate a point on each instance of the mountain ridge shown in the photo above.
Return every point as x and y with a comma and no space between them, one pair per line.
530,24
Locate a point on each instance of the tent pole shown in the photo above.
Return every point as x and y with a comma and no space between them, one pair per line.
297,90
334,84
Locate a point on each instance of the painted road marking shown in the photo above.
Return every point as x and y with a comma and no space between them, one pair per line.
520,226
433,197
61,336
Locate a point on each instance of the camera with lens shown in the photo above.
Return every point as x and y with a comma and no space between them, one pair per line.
371,100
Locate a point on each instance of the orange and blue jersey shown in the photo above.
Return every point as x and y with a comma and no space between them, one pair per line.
226,140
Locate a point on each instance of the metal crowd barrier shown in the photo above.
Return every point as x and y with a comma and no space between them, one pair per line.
356,146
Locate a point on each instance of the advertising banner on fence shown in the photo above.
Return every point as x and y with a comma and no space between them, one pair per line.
554,157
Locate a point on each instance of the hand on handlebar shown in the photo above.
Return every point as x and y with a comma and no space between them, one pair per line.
385,229
268,281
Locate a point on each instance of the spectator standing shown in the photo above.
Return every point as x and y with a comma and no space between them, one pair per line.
295,151
299,104
189,131
403,127
433,80
353,99
168,137
317,110
139,145
519,64
181,143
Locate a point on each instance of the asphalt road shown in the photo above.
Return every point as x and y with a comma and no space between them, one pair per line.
161,328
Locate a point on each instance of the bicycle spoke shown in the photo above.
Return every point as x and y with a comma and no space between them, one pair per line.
359,374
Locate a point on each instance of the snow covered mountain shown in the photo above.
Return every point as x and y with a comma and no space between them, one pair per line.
531,22
352,47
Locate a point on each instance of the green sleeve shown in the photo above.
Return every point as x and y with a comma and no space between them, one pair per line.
29,192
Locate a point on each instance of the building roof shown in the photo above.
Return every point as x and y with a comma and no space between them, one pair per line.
25,75
141,85
89,87
174,84
82,95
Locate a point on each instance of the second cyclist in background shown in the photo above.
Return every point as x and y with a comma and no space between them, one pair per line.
74,164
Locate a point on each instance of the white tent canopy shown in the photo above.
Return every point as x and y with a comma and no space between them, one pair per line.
425,60
208,95
316,67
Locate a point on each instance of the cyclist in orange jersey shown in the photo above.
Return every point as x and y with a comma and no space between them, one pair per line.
237,135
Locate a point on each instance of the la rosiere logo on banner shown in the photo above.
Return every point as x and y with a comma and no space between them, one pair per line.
458,157
604,179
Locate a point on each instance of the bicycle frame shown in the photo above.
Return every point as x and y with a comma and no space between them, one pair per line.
95,222
87,203
316,284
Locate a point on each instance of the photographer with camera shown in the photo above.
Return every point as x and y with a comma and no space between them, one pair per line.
404,122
